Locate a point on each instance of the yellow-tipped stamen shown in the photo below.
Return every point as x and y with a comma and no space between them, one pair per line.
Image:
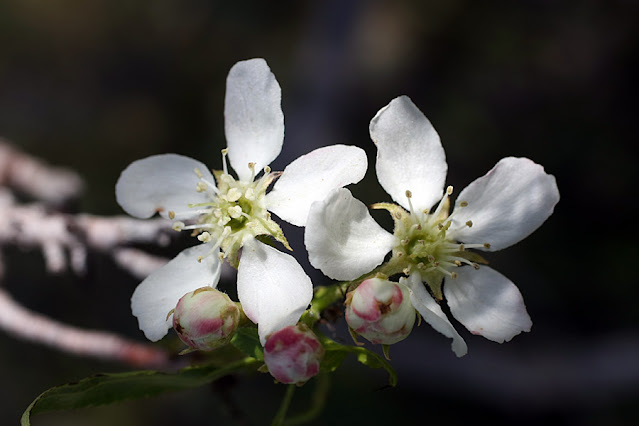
225,169
440,206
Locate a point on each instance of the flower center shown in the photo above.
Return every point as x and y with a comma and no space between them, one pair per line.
426,245
236,210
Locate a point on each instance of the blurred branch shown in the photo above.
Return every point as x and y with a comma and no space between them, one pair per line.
65,240
137,262
57,233
28,325
35,178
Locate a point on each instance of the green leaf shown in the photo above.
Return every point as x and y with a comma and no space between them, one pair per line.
364,356
247,341
332,360
110,388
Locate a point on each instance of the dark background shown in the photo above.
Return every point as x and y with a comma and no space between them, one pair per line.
94,85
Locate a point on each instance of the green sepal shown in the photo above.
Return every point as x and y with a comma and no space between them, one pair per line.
247,341
270,227
105,389
397,212
187,351
471,255
386,350
434,281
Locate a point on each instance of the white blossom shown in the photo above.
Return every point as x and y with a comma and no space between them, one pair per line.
228,213
429,245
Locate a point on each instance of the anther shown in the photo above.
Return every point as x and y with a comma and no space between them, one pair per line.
454,275
201,187
462,247
235,211
267,170
199,259
420,265
171,214
178,226
458,263
249,194
405,242
486,245
409,194
198,173
233,195
205,237
476,266
449,190
431,258
469,223
252,167
463,204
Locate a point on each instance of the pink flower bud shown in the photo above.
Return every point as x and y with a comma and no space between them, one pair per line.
380,311
293,354
205,318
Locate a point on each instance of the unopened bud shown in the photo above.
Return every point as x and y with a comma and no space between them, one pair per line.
205,318
380,311
293,354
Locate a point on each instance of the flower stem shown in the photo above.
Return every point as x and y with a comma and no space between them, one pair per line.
318,400
286,402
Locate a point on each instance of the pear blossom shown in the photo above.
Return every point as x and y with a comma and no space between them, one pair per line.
228,213
428,244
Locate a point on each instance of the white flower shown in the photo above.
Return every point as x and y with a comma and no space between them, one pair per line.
227,213
492,213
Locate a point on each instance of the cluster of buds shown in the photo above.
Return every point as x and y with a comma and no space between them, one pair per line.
380,311
206,319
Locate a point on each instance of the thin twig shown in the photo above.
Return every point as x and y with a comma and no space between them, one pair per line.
31,326
286,402
36,178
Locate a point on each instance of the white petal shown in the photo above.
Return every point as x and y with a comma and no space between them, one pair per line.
311,177
342,239
273,288
161,183
253,118
505,205
432,313
159,293
487,303
409,154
